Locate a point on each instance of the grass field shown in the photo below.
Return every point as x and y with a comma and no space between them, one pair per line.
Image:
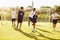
43,31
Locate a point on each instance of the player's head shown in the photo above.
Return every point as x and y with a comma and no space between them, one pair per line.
53,11
34,9
22,8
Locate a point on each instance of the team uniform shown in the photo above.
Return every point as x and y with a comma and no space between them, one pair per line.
35,18
32,17
54,18
13,16
20,16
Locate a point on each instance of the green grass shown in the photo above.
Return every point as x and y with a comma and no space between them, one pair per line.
43,32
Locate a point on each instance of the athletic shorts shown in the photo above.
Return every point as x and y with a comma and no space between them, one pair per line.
32,19
35,18
13,19
20,20
55,21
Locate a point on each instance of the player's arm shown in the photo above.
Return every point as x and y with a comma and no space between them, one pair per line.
57,16
38,12
27,10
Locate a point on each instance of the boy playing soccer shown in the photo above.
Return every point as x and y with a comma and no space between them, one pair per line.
54,18
34,22
13,14
20,16
33,18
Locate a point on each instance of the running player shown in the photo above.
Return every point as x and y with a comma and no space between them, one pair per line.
20,17
13,16
34,21
54,18
33,18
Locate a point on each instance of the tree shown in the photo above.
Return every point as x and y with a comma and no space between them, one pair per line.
58,9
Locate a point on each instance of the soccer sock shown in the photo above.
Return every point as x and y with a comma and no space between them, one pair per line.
33,30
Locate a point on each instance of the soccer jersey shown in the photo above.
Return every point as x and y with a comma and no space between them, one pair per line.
54,16
20,14
13,14
35,17
31,14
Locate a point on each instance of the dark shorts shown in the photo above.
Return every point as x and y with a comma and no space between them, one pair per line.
55,21
20,20
14,19
32,19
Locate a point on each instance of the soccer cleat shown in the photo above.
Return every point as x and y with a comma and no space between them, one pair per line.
53,29
33,30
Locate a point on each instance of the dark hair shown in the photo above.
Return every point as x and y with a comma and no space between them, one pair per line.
34,9
22,7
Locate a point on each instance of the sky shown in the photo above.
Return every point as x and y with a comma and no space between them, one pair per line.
25,3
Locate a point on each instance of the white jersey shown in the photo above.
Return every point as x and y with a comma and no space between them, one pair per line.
31,14
13,14
54,16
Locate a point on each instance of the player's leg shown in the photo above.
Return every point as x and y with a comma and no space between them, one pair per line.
33,21
28,22
33,27
21,20
18,23
14,22
54,24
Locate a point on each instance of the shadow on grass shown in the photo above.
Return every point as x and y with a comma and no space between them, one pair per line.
41,35
26,34
58,31
33,36
44,30
15,28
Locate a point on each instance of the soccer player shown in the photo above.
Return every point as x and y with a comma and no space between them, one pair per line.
34,21
13,16
20,17
33,18
54,18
